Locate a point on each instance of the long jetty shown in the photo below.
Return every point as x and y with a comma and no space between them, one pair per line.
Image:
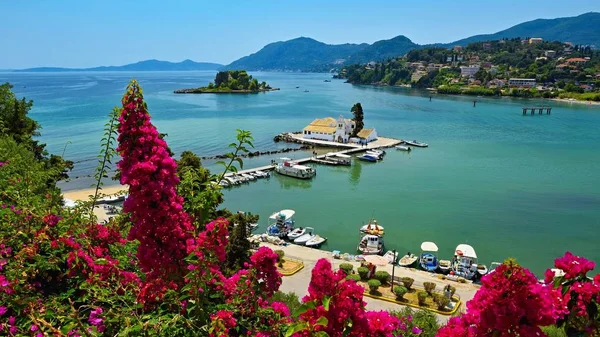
322,159
539,109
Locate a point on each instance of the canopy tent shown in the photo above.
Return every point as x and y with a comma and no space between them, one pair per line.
429,246
466,251
286,213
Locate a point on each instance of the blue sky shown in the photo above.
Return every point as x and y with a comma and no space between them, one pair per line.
87,33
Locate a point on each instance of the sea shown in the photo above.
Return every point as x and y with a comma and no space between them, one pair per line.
526,187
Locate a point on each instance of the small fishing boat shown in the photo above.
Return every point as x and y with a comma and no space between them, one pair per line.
367,157
296,233
403,148
327,81
445,266
416,143
370,245
391,256
482,269
372,228
408,260
248,176
305,90
253,226
297,87
302,239
381,153
493,266
374,154
283,223
316,241
428,260
465,262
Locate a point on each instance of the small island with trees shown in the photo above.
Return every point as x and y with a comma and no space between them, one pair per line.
230,81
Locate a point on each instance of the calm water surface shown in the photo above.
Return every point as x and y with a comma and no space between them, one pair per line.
525,187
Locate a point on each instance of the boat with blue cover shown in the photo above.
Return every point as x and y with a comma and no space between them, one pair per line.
281,223
428,260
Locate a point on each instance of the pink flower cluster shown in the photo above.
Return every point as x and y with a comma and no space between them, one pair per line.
510,302
346,306
51,220
574,266
96,319
159,222
221,323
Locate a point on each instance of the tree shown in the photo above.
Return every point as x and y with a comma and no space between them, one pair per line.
238,249
357,111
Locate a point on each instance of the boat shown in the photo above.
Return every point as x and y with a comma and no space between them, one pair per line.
493,266
253,226
408,260
374,154
297,87
283,223
248,176
381,153
428,260
370,245
403,148
316,241
481,269
305,90
445,266
302,239
464,263
391,256
340,158
290,168
372,228
367,157
416,143
327,81
296,233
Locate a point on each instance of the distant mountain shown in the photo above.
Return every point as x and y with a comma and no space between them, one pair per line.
148,65
383,49
306,54
300,54
582,30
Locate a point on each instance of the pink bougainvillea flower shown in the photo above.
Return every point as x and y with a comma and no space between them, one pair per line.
573,265
3,310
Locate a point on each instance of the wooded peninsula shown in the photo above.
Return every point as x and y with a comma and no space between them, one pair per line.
230,81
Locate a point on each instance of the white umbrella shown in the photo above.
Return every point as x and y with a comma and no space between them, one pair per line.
377,260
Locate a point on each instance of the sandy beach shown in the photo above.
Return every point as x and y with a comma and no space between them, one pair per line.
84,194
566,100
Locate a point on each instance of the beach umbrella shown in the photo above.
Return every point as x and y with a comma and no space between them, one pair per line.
377,260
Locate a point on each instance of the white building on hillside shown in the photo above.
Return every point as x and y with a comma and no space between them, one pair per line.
468,71
522,82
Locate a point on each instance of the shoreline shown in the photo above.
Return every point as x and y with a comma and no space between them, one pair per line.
83,194
209,91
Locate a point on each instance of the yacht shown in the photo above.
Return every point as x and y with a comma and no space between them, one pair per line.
291,169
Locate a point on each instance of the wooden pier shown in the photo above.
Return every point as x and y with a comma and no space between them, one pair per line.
539,109
320,159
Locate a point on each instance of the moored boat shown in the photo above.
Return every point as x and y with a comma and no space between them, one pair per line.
428,260
316,241
464,263
296,233
291,169
416,143
372,228
445,266
408,260
281,223
302,239
370,245
391,256
377,155
403,148
367,157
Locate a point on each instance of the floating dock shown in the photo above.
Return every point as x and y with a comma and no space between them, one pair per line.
322,159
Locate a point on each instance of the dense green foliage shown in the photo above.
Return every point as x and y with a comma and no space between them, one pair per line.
374,286
234,81
425,320
363,272
347,267
353,277
429,287
359,116
382,275
400,291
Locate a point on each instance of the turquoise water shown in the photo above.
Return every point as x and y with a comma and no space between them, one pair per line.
509,185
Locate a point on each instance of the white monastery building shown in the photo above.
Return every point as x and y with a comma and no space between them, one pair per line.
337,130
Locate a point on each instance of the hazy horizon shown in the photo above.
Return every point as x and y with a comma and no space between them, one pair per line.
75,34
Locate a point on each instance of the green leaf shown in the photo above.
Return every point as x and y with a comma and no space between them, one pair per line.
326,300
295,328
101,261
304,308
322,321
321,334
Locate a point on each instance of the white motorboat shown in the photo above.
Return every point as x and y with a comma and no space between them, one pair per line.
370,245
281,223
445,266
493,266
481,269
296,233
368,157
291,169
408,260
391,256
253,226
377,155
340,158
464,263
248,176
416,143
403,148
381,153
224,183
372,228
316,241
302,239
